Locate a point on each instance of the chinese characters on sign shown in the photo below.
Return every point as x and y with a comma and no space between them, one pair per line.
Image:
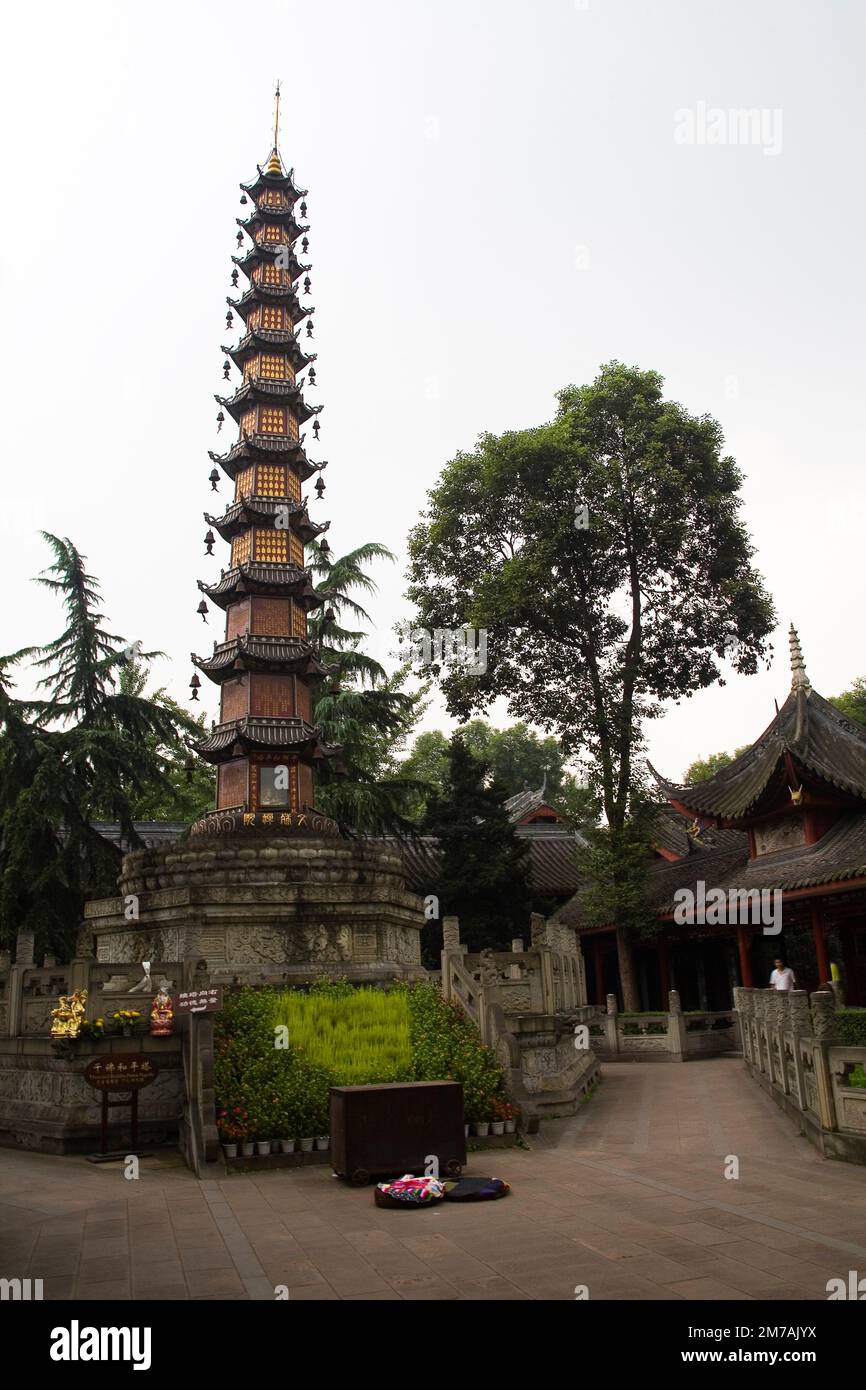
122,1073
200,1001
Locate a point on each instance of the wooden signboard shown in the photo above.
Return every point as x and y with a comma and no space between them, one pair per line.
120,1072
200,1001
127,1071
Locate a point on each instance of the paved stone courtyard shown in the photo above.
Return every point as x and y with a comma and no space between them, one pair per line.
628,1198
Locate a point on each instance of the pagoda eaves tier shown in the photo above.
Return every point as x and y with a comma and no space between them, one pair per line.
266,746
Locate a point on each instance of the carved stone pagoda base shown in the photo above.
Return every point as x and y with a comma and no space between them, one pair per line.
262,908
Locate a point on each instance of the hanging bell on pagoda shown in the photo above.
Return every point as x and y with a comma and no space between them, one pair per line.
214,480
244,199
189,768
306,284
235,278
229,319
240,238
227,366
311,376
194,685
203,610
330,615
320,488
210,542
324,548
303,209
305,245
316,428
220,420
309,328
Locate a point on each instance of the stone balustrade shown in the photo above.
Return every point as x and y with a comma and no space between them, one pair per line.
791,1048
523,1002
670,1036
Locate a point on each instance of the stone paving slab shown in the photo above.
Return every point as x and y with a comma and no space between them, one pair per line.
628,1198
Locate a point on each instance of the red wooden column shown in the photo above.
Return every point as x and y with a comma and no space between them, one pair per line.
664,969
598,961
745,958
820,947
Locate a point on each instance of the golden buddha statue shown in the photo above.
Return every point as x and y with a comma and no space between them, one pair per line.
67,1018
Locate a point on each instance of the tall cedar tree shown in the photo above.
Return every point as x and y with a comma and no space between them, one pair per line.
591,628
85,752
483,874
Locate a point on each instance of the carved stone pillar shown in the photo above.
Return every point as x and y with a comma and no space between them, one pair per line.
823,1022
451,933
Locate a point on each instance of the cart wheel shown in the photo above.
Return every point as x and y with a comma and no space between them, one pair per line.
359,1178
453,1168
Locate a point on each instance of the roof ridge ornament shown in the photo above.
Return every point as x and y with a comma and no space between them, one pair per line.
799,679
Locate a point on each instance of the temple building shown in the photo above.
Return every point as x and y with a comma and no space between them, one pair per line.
786,817
265,745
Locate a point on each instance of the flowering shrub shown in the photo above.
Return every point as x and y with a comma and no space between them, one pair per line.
233,1124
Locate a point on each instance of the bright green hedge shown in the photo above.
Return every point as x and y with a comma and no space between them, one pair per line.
338,1035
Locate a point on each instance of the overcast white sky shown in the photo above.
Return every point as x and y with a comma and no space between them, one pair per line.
498,205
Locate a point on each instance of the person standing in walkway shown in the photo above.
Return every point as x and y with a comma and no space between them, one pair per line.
782,977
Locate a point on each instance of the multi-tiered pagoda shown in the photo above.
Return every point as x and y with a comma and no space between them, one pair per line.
265,745
267,887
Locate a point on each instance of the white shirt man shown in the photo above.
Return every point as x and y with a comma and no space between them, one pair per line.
782,977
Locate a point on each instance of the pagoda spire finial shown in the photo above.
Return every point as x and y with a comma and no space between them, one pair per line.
799,679
274,164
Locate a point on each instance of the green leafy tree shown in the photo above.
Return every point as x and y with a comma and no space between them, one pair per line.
594,618
358,706
852,702
702,769
483,874
518,758
83,751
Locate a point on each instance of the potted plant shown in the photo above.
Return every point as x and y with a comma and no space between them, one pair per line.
509,1115
503,1111
233,1126
126,1021
92,1028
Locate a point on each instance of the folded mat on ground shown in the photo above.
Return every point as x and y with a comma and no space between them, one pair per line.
476,1189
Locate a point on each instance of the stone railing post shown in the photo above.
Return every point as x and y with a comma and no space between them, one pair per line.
450,947
515,971
824,1029
676,1025
540,945
25,950
611,1026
